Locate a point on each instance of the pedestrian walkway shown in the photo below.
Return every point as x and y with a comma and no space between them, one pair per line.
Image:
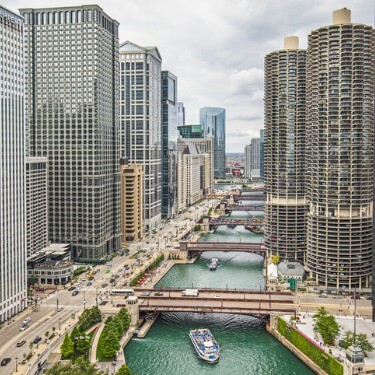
95,343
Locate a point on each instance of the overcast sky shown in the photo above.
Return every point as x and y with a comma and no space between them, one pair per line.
216,47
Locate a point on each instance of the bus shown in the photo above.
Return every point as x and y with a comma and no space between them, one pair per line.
122,292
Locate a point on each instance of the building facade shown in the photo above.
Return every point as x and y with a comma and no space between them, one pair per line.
36,204
213,125
255,159
340,159
191,131
72,110
12,172
131,176
247,156
261,163
284,151
169,136
205,146
140,123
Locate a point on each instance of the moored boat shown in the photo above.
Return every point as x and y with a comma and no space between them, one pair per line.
205,345
213,264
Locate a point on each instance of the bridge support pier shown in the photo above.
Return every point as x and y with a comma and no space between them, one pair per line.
206,224
273,321
133,308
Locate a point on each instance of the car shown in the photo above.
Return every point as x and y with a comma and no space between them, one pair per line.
369,298
158,294
26,320
21,343
71,288
119,270
25,326
37,340
89,283
75,293
112,280
5,361
84,279
145,293
323,295
59,309
104,285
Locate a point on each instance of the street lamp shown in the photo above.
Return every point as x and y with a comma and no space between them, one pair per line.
114,367
84,300
16,364
57,303
59,323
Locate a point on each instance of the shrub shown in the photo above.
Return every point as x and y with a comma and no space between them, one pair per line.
326,362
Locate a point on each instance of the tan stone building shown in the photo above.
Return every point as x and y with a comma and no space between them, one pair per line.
131,176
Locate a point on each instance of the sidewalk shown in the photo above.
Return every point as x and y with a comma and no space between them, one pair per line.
95,343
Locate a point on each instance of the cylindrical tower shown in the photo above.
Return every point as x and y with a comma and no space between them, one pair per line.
284,155
340,157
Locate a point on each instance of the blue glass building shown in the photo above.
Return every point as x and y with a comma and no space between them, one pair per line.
213,124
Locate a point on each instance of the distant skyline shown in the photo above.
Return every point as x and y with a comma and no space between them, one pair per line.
217,47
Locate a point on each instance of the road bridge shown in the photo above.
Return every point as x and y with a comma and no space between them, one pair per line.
216,301
249,197
240,207
247,247
214,223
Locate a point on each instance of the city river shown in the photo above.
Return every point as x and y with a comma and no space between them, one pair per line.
246,347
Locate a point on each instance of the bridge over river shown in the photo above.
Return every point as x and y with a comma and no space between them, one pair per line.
246,247
216,301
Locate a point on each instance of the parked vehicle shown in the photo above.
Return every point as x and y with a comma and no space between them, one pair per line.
26,320
25,326
19,344
37,340
75,293
145,293
71,288
158,294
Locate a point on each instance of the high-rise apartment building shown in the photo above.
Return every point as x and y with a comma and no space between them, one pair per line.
340,153
205,146
169,136
213,125
255,159
72,75
180,114
12,172
36,204
131,176
140,127
190,131
247,154
261,163
284,156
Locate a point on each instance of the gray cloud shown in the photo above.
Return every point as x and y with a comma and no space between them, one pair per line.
217,47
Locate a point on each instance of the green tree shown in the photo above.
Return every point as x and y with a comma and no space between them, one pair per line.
125,317
111,344
124,370
276,259
46,335
67,347
31,344
82,346
326,325
118,325
90,317
361,341
81,367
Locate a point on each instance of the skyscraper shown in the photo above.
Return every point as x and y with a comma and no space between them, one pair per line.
169,136
255,158
261,165
340,159
284,156
36,204
12,171
140,128
213,124
72,109
180,114
247,154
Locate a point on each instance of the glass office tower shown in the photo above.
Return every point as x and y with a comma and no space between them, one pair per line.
213,124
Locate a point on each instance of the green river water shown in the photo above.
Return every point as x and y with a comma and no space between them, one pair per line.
246,347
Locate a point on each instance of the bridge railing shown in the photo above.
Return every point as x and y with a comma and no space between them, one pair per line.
214,290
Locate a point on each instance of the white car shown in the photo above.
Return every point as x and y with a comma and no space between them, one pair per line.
26,320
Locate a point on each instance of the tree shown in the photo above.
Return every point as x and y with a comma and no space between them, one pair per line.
118,325
81,367
276,259
67,347
82,346
90,317
124,370
125,317
46,334
361,341
326,325
111,343
31,344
